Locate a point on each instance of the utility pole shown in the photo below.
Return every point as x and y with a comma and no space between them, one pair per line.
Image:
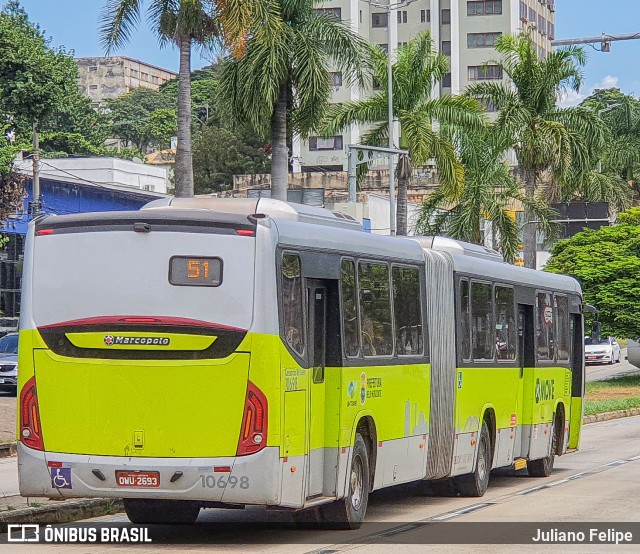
390,7
604,40
35,202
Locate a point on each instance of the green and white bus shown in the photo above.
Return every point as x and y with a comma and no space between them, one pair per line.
212,352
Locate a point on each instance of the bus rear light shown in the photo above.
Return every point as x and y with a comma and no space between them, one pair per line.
30,428
253,432
44,232
245,232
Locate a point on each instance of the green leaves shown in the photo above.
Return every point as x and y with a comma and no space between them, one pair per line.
607,264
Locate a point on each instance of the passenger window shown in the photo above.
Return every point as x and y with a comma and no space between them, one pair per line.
544,327
465,341
482,321
350,309
375,309
407,310
563,336
506,331
292,305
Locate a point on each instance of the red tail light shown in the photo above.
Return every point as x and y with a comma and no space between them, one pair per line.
253,433
30,428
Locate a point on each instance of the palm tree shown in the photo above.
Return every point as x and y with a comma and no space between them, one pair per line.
490,192
415,73
283,85
182,22
545,137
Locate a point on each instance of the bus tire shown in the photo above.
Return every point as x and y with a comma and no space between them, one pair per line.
475,484
441,487
349,512
544,466
161,511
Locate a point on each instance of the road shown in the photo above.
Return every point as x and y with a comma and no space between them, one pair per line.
596,484
601,372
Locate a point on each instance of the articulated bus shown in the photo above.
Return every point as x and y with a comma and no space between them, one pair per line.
230,352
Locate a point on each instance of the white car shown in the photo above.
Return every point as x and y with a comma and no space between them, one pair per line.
604,351
9,363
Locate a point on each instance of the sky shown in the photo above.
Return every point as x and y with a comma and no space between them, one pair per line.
74,24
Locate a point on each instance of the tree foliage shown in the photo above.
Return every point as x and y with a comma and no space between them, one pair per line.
607,264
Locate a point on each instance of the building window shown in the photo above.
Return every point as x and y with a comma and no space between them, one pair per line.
380,19
482,328
350,309
446,17
93,87
384,48
402,16
532,15
336,12
446,81
542,25
484,7
488,105
425,16
144,76
292,303
484,73
375,309
563,334
93,68
523,11
407,310
465,339
322,143
402,44
446,47
482,40
336,78
551,30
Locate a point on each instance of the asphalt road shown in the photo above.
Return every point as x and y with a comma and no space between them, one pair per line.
598,483
600,372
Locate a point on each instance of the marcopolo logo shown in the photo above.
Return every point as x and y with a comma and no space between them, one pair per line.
111,340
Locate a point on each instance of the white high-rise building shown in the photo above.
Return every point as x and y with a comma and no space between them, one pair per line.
464,30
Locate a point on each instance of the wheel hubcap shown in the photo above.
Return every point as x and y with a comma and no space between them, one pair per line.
482,464
356,483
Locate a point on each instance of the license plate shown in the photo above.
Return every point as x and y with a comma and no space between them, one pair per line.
592,357
143,479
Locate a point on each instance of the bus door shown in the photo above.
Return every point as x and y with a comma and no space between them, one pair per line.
526,360
317,336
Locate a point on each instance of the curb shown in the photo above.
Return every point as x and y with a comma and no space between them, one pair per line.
7,449
66,512
607,416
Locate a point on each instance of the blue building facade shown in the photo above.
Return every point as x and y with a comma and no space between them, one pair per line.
60,198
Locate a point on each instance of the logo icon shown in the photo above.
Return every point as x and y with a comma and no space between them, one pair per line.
29,532
363,387
351,390
61,477
109,340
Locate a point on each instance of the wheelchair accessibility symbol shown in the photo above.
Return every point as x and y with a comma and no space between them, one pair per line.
61,477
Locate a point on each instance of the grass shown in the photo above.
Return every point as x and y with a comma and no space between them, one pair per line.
622,393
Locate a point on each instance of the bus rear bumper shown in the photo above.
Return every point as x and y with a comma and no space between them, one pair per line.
253,479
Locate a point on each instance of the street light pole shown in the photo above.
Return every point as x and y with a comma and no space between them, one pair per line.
390,7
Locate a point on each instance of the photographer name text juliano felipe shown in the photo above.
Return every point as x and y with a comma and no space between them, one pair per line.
592,536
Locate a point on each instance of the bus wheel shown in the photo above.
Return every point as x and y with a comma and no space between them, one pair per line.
161,511
544,466
441,487
476,483
348,513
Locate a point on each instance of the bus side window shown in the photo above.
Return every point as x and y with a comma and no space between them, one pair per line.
482,328
407,310
292,303
465,337
375,309
506,334
350,309
544,327
563,335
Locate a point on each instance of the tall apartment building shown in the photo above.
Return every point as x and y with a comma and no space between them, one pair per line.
109,77
464,30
